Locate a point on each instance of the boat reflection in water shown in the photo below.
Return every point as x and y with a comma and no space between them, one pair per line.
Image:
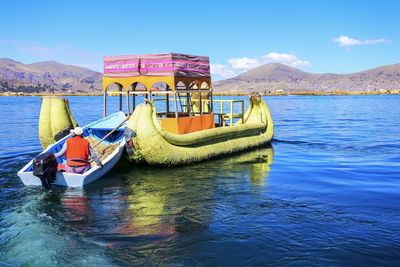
256,164
260,169
76,206
146,213
147,203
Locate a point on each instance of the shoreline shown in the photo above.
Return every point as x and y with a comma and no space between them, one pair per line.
296,93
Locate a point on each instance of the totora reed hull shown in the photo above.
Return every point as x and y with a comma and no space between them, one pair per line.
155,146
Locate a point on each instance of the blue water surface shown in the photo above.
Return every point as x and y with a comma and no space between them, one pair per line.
326,193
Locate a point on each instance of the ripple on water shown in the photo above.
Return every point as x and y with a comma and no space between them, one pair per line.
325,194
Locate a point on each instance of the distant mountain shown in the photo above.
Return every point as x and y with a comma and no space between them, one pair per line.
52,76
274,77
48,76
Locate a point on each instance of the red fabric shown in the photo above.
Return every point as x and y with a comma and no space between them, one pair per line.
77,151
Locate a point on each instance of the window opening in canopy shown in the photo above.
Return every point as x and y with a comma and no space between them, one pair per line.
115,90
160,92
139,93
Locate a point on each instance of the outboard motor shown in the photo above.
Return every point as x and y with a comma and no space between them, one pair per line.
45,167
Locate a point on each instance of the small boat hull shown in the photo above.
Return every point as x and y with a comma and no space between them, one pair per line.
79,180
72,179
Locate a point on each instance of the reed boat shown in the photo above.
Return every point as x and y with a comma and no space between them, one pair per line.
171,118
109,150
180,122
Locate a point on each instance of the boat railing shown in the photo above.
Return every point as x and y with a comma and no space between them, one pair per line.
162,100
227,110
231,114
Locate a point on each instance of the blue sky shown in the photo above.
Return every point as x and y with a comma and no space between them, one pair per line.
315,36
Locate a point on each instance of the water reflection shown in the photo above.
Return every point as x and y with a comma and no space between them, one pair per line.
258,162
76,206
142,203
325,200
145,213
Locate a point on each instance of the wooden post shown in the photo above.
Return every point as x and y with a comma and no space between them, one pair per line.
211,103
128,104
188,103
133,101
120,100
167,100
167,89
105,104
175,105
200,102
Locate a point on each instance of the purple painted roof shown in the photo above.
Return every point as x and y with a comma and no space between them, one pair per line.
156,65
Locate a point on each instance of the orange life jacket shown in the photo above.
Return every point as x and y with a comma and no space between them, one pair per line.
77,152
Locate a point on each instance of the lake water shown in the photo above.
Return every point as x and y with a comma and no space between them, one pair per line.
326,193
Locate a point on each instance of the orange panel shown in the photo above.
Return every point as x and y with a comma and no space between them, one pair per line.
189,124
207,121
184,125
170,125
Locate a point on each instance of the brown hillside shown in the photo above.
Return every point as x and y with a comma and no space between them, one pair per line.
49,76
272,77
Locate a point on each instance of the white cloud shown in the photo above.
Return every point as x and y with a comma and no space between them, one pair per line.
244,63
222,71
287,59
376,41
237,66
348,41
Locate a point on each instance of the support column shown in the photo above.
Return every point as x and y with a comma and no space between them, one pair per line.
188,103
175,105
128,104
212,104
167,100
120,102
134,102
200,102
104,104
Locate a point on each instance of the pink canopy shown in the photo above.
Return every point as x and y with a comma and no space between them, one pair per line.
156,65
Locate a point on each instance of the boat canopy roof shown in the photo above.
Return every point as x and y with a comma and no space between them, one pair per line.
175,70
